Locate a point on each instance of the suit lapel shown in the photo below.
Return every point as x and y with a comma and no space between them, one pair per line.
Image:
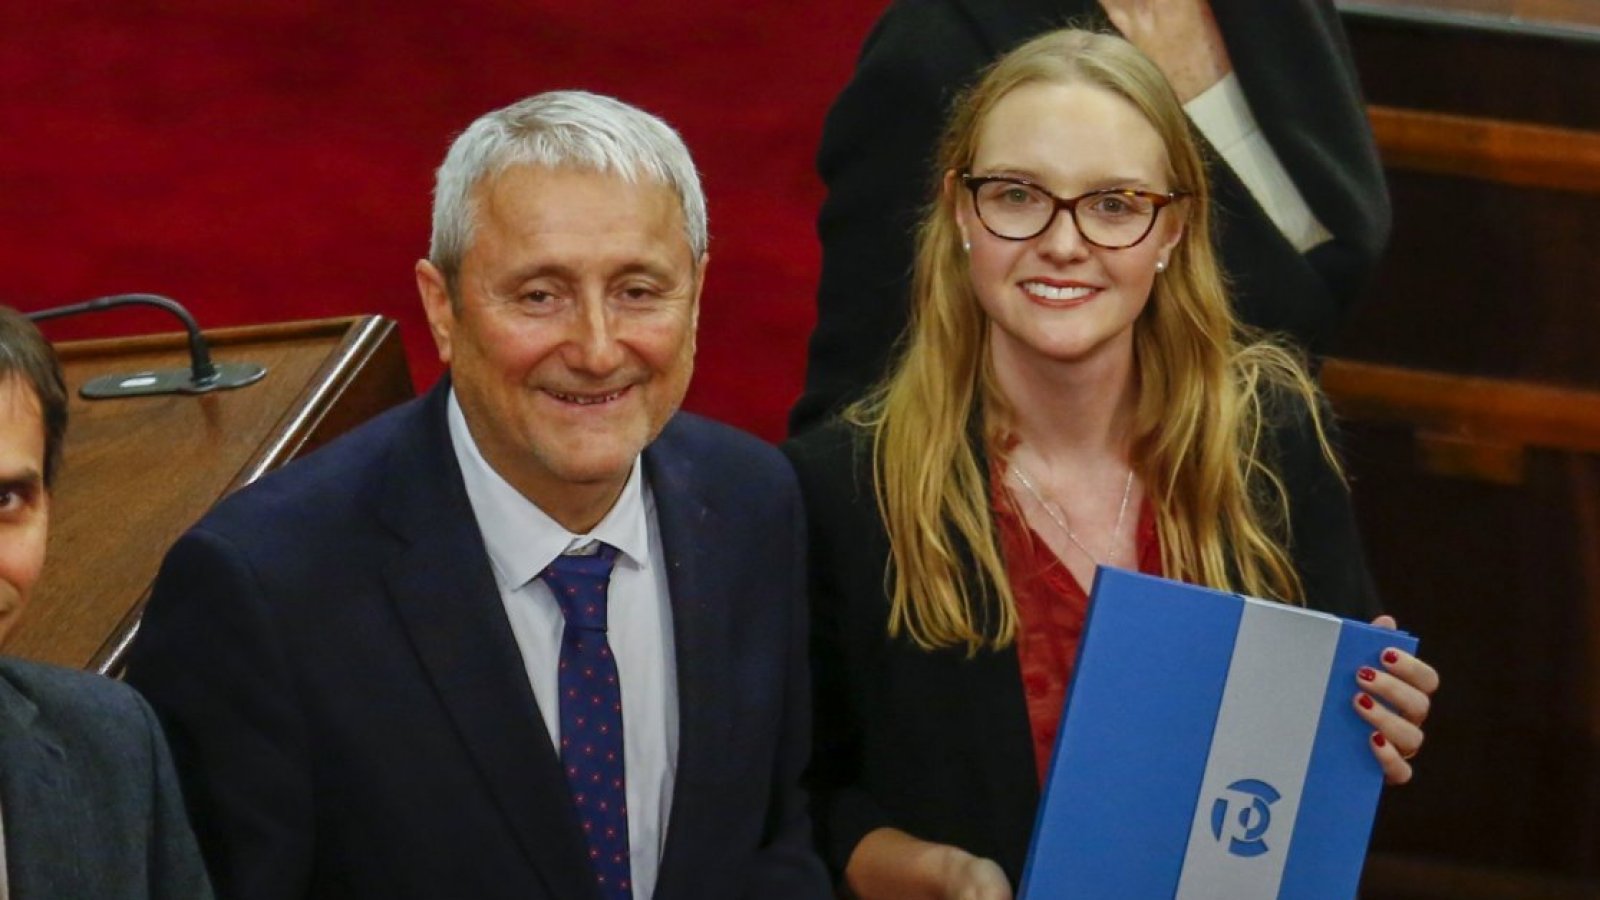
32,764
691,529
446,597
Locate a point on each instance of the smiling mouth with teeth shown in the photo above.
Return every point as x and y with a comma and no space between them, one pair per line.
587,399
1052,292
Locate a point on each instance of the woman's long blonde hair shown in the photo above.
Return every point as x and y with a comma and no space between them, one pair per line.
1198,442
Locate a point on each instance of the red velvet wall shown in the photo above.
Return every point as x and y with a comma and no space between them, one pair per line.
272,160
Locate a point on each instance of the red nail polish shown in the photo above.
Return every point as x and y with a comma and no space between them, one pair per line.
1391,656
1377,740
1364,701
1366,674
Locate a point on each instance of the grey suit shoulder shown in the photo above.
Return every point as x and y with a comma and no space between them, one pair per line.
91,805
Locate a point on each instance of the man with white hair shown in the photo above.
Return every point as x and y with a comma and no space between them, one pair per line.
536,634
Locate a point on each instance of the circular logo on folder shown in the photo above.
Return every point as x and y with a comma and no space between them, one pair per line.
1247,832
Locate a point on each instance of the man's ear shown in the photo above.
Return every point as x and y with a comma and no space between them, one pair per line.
435,294
699,285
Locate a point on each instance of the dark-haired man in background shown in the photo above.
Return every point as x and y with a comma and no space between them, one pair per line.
89,805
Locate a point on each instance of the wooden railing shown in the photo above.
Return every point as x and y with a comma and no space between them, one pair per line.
1510,153
1463,425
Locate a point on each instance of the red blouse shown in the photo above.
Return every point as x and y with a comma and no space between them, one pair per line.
1051,607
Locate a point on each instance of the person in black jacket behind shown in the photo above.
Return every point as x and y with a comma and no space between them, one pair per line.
1299,201
1075,391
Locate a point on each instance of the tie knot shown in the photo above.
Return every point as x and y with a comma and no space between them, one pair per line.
579,585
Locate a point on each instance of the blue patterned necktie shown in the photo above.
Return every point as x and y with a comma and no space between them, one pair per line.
591,716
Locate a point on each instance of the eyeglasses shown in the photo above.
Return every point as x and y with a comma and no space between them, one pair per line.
1016,210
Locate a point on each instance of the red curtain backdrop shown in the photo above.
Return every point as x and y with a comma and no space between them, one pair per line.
272,160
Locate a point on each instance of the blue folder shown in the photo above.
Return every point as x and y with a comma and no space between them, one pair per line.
1209,750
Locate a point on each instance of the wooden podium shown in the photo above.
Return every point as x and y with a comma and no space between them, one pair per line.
139,471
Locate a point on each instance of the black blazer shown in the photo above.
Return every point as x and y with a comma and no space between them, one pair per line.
87,794
878,144
938,744
351,716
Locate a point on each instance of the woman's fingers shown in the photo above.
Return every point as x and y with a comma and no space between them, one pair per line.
1395,698
1396,767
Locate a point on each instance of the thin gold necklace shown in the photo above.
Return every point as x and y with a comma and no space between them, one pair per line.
1059,516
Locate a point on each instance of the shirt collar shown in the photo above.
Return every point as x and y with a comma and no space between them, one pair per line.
523,539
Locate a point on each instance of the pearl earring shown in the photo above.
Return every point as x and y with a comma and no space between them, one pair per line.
1161,266
966,246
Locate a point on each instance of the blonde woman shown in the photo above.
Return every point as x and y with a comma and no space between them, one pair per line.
1074,392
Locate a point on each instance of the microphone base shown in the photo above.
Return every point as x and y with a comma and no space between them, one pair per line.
171,381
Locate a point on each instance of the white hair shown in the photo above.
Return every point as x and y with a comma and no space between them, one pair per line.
559,129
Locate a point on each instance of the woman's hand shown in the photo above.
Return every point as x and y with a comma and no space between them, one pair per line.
971,877
893,865
1395,700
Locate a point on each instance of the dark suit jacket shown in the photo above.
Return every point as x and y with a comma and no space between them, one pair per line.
938,744
879,140
351,716
90,805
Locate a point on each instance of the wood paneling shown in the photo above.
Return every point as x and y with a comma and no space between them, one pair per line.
1501,579
1534,71
1469,393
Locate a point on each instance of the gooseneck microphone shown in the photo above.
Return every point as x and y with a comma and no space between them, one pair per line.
202,376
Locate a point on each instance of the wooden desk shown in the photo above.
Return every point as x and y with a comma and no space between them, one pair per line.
139,471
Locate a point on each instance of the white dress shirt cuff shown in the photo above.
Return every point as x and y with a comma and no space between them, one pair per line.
1223,115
